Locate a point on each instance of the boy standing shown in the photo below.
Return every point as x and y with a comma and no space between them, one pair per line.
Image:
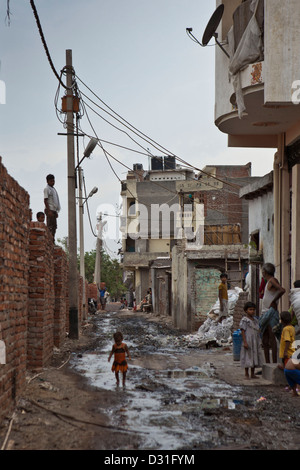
286,349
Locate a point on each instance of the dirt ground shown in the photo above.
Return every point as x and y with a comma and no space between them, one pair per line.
59,409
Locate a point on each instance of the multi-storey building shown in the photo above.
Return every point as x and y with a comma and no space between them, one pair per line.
153,209
173,212
259,106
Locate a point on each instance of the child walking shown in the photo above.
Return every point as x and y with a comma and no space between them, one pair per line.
119,350
250,350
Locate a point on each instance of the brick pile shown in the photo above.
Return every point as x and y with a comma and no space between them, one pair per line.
92,291
14,255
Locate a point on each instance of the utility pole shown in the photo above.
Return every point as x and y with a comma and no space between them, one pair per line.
81,240
73,273
97,274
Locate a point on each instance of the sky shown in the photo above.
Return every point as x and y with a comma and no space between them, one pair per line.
136,57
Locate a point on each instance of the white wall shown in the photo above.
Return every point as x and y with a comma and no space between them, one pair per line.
261,211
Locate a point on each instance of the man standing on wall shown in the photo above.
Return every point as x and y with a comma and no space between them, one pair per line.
52,205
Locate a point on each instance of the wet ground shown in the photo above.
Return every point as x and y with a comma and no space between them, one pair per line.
176,397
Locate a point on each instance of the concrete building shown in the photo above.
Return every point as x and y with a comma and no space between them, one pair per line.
154,206
180,231
259,195
196,268
259,106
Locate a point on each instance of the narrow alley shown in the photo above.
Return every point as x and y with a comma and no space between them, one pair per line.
176,397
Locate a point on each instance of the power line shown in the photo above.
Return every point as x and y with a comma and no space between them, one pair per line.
144,136
45,44
236,187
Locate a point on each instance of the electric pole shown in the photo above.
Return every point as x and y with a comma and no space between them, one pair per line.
97,274
73,272
81,240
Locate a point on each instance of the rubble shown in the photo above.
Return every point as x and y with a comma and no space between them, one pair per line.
212,331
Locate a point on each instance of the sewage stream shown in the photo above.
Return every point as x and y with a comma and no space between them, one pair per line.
172,398
166,405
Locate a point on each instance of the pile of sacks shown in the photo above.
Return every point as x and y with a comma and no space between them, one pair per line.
212,331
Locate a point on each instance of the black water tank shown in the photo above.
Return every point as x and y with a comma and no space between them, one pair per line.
157,163
169,163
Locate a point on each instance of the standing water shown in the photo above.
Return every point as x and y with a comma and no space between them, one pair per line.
168,405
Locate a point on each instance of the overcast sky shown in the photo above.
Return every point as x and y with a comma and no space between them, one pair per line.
134,55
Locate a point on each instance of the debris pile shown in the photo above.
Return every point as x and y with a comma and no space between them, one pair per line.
212,331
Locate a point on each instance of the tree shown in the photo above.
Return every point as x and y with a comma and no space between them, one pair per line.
111,271
112,275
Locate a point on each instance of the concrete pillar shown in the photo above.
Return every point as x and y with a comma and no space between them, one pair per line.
295,254
282,220
276,193
285,236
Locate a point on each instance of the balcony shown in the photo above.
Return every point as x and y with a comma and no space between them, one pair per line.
264,80
141,260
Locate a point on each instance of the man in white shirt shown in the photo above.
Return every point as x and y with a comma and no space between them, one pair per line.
52,205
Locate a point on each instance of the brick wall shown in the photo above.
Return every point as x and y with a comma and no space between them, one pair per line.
41,299
238,312
14,256
61,306
34,307
92,291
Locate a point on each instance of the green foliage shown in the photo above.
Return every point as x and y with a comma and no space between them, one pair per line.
112,275
111,272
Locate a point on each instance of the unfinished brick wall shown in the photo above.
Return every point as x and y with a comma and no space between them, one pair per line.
34,307
61,307
238,312
14,257
41,300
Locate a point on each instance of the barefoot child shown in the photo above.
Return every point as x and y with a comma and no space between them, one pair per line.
119,350
250,357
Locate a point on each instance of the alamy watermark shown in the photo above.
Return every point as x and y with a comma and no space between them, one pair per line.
154,221
296,355
296,92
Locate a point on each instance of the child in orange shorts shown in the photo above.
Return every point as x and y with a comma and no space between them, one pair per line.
119,350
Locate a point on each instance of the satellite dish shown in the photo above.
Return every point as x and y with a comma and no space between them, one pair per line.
210,30
212,25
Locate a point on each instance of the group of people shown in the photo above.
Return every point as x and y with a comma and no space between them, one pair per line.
263,331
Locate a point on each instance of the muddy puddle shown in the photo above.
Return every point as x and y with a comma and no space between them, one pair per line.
168,405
